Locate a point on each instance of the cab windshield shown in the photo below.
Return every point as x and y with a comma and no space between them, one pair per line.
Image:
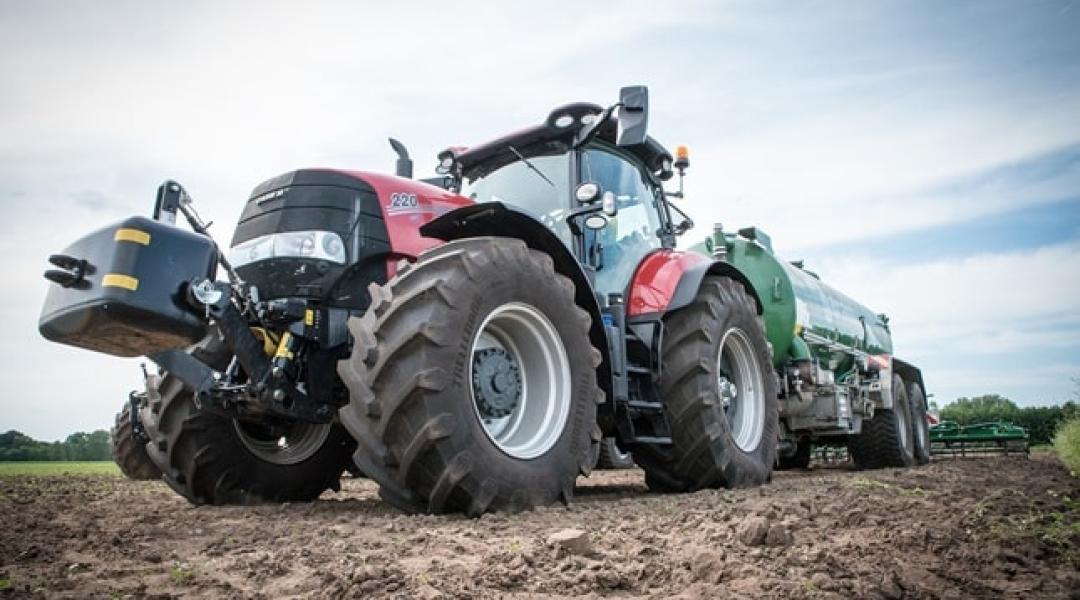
544,196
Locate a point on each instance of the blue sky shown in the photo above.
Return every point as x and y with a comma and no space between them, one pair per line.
924,157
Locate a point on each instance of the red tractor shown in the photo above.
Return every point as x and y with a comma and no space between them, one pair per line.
467,340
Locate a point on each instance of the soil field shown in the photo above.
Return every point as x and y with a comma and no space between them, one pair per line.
985,527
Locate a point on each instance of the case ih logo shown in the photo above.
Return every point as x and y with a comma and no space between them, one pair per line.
402,202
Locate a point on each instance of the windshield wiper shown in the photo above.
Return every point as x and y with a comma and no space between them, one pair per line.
530,165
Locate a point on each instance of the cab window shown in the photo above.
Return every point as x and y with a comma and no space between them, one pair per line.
633,232
543,195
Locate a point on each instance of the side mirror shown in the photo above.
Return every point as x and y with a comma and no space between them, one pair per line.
633,115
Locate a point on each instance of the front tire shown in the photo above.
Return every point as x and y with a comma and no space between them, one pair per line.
211,459
128,451
886,439
473,383
720,395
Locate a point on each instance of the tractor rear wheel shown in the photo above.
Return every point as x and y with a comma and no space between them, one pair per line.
920,427
613,457
473,381
128,450
720,394
886,439
799,460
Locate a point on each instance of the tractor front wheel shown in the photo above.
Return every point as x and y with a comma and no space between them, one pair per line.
720,395
128,450
473,381
212,459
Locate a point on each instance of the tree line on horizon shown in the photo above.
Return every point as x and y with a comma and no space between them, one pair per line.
1040,422
17,446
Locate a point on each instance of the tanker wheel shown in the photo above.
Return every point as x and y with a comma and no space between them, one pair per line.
886,440
472,382
128,451
611,456
920,427
800,459
719,392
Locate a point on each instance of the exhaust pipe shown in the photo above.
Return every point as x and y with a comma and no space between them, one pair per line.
403,167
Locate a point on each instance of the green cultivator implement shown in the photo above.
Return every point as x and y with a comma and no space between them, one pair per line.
950,437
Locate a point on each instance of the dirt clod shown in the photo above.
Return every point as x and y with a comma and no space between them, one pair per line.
754,530
575,541
778,535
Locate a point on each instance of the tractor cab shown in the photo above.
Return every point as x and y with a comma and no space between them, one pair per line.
588,174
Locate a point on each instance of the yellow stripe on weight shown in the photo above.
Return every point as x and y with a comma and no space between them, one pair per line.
121,281
132,235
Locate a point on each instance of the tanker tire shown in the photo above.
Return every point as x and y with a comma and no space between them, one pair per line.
411,402
920,427
129,453
886,439
799,460
612,457
704,452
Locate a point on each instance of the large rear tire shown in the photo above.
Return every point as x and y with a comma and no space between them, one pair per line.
128,451
719,392
886,440
920,427
473,382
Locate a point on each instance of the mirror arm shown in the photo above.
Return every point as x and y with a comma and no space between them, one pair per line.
687,223
587,133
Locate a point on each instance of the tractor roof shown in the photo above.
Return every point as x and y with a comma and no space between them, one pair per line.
553,136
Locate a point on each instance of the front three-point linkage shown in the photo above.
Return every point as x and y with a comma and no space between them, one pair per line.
269,388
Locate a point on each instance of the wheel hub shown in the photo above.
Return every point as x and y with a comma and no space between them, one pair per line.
496,382
728,391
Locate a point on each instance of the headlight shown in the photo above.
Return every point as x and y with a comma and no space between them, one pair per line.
318,245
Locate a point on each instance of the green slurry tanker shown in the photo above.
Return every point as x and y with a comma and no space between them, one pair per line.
840,383
475,341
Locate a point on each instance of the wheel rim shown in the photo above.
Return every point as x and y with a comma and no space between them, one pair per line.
742,389
520,381
923,432
286,445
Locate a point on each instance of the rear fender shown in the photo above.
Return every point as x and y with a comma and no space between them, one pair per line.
910,374
497,219
668,280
